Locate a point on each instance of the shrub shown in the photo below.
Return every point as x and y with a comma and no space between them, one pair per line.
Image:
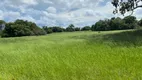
77,29
57,29
100,26
22,28
48,29
86,28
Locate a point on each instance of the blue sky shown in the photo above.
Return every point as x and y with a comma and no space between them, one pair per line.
59,12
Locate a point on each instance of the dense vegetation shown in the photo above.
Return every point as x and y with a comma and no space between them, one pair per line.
53,29
70,28
26,28
112,55
86,28
129,22
21,28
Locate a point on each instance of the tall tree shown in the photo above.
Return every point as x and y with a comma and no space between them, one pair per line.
70,28
124,6
21,28
129,19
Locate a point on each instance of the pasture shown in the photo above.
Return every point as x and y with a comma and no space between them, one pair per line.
108,55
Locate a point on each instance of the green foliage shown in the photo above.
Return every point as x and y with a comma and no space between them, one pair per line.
25,28
129,19
77,29
128,22
22,28
70,28
53,29
13,30
117,24
86,28
124,6
57,29
101,26
48,29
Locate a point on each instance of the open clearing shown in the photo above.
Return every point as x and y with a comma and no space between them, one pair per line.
112,55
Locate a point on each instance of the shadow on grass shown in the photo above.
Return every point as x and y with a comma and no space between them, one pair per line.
125,38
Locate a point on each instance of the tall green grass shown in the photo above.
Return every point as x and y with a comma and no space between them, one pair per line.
112,55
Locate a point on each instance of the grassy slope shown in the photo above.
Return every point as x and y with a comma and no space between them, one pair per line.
72,56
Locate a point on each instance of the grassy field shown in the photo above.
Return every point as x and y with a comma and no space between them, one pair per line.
112,55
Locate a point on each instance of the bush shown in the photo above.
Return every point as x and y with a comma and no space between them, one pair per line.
101,26
86,28
117,24
53,29
57,29
22,28
128,22
48,30
77,29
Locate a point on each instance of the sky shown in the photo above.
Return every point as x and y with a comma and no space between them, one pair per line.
59,12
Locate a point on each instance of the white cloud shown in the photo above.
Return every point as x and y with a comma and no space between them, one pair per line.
22,2
27,17
51,10
1,14
29,2
11,15
58,12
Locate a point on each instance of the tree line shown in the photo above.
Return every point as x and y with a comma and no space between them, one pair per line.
26,28
128,22
70,28
20,28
